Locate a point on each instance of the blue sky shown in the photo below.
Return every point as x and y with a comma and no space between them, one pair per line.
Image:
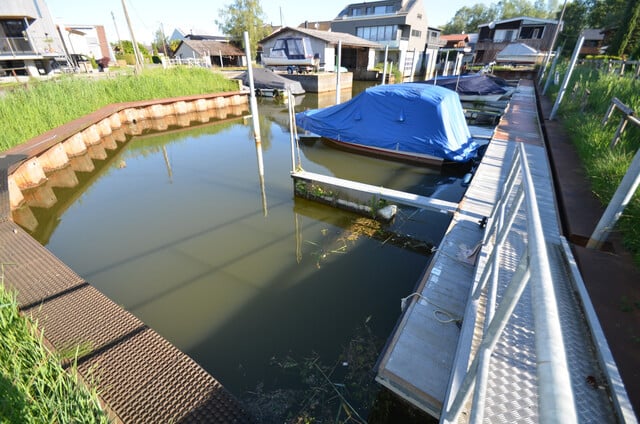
200,15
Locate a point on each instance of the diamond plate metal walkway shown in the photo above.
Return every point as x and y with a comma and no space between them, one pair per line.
437,338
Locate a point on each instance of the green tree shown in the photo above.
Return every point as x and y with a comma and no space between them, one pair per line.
576,18
241,16
627,33
468,18
160,43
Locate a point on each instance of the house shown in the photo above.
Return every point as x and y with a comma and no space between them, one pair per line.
431,52
214,51
400,25
357,53
455,41
593,42
30,42
494,37
86,40
320,25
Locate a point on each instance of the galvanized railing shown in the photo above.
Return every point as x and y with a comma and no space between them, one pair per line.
555,393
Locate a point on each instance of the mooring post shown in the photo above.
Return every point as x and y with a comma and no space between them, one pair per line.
338,72
384,68
255,119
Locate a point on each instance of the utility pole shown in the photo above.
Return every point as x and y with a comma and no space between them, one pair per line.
136,51
117,32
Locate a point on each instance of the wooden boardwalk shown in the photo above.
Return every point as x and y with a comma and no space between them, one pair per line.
436,337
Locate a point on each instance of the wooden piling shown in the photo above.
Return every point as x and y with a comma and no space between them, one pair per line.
53,159
30,174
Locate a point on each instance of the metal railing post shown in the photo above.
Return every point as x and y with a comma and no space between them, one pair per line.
565,82
556,402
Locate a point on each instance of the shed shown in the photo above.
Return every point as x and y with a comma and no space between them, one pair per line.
519,53
357,53
219,53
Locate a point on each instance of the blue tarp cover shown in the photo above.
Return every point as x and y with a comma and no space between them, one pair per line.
413,118
471,84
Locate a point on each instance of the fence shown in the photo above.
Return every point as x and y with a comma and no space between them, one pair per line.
556,403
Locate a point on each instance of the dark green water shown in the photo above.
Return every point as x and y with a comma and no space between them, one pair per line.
264,295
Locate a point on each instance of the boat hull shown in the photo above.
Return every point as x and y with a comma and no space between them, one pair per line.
380,153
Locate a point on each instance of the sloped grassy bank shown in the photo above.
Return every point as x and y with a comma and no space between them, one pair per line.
581,113
34,388
29,110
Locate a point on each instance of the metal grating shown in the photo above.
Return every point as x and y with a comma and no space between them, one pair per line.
140,376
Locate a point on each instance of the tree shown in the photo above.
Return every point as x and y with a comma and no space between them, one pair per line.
625,40
576,18
467,19
241,16
160,43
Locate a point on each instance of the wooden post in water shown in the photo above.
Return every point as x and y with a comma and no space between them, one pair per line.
384,69
338,72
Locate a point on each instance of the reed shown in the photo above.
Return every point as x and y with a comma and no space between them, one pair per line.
584,106
40,106
34,387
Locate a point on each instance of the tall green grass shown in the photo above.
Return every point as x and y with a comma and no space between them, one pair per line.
39,106
34,388
582,110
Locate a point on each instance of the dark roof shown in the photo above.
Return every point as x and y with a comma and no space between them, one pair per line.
213,47
525,21
330,37
593,34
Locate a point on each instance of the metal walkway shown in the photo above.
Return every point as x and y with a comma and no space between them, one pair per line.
548,360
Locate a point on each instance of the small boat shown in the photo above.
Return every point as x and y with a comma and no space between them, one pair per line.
269,84
294,53
415,123
474,87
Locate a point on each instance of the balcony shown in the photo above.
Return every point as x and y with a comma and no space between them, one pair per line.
15,46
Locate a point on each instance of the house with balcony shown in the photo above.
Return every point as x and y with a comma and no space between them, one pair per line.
399,25
532,36
357,54
30,42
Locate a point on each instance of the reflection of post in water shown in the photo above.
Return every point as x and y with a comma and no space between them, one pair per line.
167,163
256,122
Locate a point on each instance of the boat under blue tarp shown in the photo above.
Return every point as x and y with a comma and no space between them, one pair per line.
474,86
415,122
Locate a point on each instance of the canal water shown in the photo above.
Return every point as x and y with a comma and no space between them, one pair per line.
287,302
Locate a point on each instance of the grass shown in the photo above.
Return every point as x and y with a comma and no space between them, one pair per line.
29,110
34,388
583,108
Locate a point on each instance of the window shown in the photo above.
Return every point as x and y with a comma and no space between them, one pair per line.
416,33
504,35
356,11
419,16
378,33
532,32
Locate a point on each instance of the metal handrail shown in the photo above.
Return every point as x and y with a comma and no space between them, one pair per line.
555,393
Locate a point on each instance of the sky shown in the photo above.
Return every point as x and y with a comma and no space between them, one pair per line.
199,16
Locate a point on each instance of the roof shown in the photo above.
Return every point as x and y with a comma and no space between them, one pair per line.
593,34
525,20
455,37
328,36
213,47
